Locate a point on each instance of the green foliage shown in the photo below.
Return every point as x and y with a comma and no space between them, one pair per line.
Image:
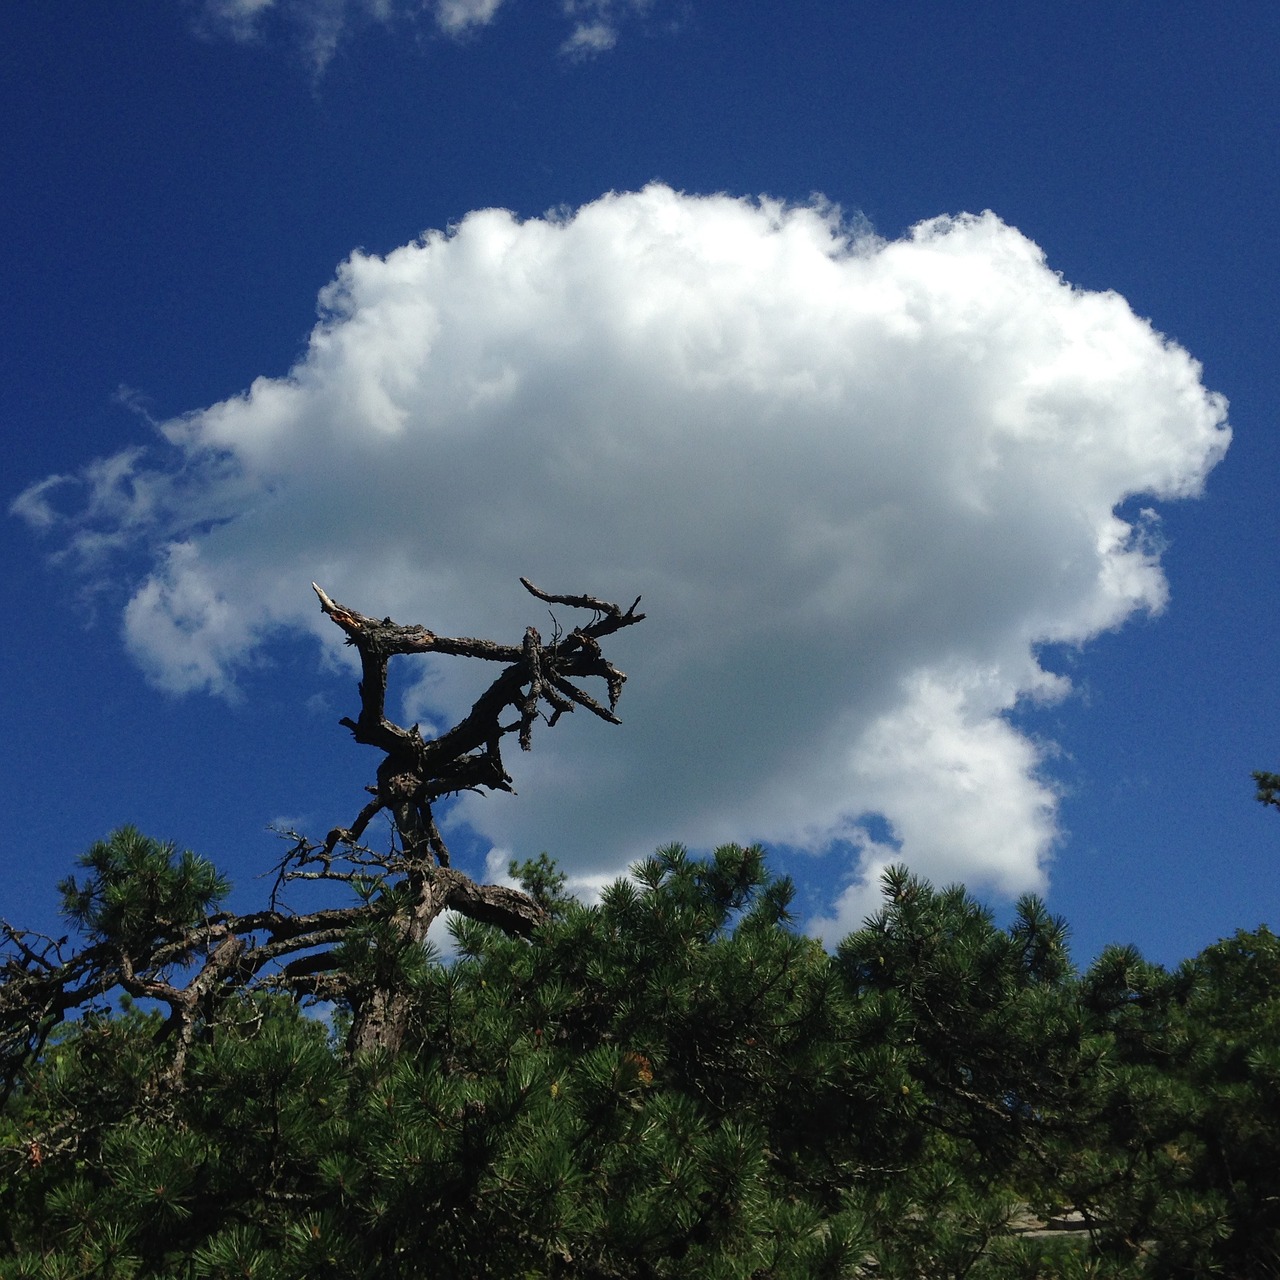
1268,788
670,1083
996,1057
542,881
1188,1177
139,890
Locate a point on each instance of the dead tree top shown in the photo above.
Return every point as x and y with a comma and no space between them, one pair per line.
416,771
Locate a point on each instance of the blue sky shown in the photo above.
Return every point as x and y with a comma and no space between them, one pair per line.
864,475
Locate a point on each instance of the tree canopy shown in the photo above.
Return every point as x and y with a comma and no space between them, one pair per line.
672,1081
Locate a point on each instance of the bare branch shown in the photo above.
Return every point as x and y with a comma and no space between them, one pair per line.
468,756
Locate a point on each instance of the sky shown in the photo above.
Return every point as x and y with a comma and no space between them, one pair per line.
914,363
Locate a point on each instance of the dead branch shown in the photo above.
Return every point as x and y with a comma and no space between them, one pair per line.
418,772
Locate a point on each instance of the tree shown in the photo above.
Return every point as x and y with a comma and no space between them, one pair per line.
631,1096
980,1031
669,1082
675,1082
148,913
1182,1167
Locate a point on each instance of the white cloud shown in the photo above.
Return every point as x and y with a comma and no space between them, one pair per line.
958,780
321,25
857,482
239,19
33,505
596,23
458,16
318,25
589,38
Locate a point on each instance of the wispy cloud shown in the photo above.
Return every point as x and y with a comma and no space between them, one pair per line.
458,16
320,26
857,482
596,24
317,26
589,38
239,19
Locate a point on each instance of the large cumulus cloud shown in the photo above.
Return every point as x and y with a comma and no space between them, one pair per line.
857,482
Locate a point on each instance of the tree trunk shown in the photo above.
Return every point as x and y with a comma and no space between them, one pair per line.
382,1013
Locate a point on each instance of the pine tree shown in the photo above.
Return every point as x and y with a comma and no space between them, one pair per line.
671,1082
